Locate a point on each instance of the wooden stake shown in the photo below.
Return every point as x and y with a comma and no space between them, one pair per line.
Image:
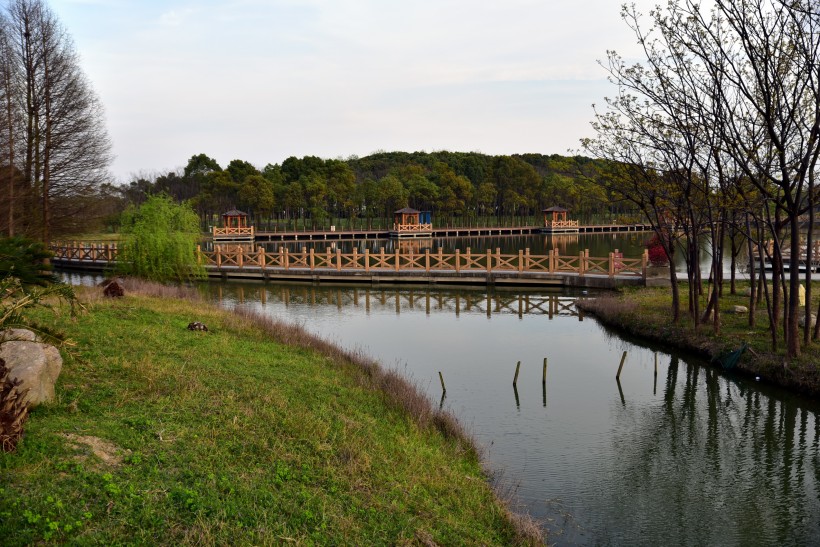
517,368
440,377
621,366
544,379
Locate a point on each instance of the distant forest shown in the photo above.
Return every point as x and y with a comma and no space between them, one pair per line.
459,188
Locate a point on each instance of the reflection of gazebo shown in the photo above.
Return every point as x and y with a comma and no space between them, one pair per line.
555,220
234,226
409,222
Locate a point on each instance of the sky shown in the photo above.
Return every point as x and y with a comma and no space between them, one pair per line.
262,80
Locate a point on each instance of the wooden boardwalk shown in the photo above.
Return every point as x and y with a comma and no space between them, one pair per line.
489,267
325,235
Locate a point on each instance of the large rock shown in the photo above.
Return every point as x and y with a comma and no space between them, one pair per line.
801,320
35,364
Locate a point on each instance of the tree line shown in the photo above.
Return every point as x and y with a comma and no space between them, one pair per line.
457,187
54,149
715,136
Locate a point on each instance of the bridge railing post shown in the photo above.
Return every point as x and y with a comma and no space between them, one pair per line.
581,264
458,260
611,264
427,260
489,261
367,260
397,265
644,262
338,260
312,259
520,261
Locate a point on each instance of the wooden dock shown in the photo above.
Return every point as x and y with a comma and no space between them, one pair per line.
324,235
468,267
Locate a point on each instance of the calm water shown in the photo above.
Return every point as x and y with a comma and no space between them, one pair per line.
686,457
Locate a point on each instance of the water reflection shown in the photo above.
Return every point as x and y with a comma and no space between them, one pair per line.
716,462
399,299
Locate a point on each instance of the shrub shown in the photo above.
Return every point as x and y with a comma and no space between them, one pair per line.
26,260
657,254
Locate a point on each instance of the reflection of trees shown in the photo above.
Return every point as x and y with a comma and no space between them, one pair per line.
717,462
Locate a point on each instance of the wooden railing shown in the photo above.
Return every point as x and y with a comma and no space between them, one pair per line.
238,256
383,261
401,228
233,232
562,223
85,252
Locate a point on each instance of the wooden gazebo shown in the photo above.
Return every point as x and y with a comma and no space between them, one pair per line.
409,222
555,220
234,227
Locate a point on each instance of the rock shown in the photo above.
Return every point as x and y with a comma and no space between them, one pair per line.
801,320
196,325
740,309
114,289
21,335
35,364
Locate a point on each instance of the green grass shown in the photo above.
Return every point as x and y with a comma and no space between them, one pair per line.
160,435
647,313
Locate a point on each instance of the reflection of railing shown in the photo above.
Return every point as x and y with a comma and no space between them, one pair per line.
245,231
404,300
402,228
237,256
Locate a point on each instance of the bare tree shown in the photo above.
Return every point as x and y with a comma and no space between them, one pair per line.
739,87
64,147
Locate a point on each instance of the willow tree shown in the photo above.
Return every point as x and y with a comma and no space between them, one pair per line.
160,241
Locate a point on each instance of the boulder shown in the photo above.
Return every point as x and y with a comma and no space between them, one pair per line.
740,309
114,289
801,320
35,364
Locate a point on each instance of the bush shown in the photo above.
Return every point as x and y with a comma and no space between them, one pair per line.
657,254
26,260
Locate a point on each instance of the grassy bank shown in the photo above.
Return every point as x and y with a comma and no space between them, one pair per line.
646,313
251,433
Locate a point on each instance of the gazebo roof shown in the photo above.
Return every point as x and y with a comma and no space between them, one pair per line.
406,211
235,213
554,209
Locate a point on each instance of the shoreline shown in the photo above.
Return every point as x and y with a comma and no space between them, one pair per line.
629,317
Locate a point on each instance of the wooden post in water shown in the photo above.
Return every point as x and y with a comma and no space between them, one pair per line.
517,369
621,366
443,387
544,377
655,390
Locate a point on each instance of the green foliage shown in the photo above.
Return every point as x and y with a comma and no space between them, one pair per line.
160,241
25,260
16,299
